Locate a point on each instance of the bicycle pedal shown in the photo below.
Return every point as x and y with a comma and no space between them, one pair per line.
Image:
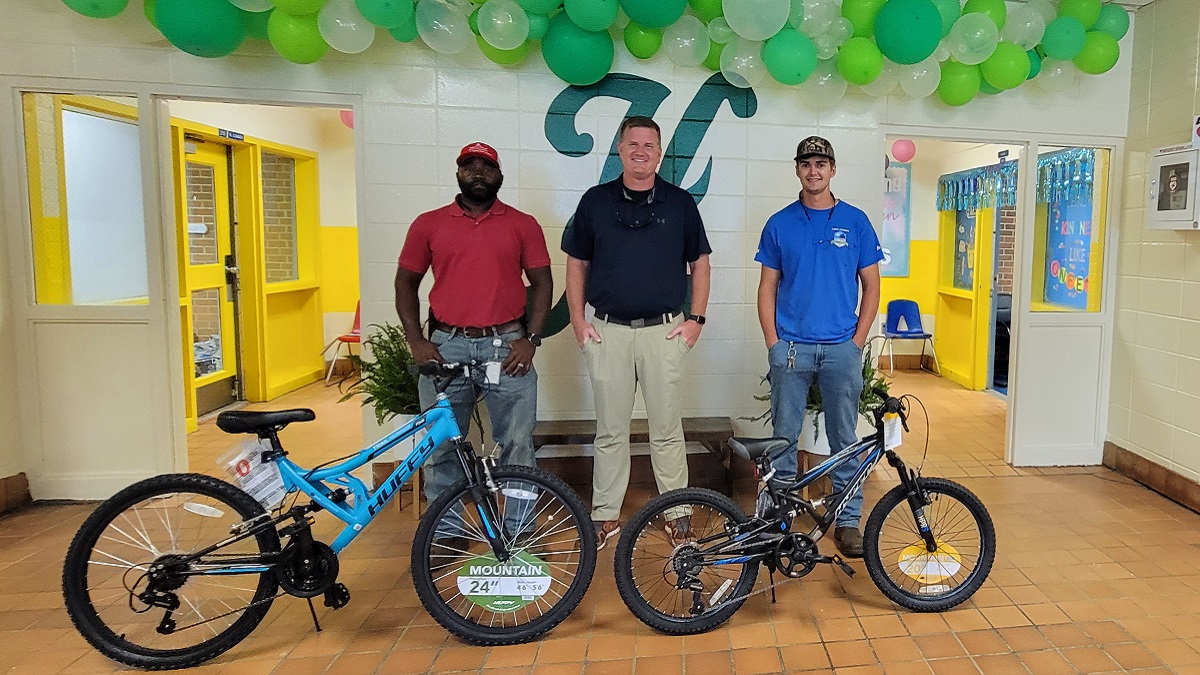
837,560
337,597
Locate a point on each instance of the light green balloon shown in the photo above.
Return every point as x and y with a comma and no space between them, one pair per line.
299,7
407,31
949,10
1087,11
960,83
641,41
575,55
592,15
1113,20
790,56
296,38
713,62
707,10
861,15
538,23
98,9
473,22
1064,38
1035,63
543,7
1099,54
148,9
859,61
505,57
386,13
1007,67
256,23
654,13
994,9
207,28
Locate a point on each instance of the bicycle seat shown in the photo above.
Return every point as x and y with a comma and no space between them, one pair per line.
249,422
753,448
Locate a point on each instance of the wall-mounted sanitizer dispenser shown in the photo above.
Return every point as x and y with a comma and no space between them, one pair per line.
1173,175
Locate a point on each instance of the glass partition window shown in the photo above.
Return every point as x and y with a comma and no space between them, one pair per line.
201,214
206,331
279,217
1072,202
83,159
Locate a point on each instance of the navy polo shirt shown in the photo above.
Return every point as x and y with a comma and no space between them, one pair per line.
638,252
818,253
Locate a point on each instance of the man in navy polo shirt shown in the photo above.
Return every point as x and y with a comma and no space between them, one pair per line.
815,254
478,247
629,248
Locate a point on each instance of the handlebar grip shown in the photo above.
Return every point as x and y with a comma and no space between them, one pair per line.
435,369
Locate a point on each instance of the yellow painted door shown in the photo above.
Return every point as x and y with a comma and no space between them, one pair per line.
964,306
210,277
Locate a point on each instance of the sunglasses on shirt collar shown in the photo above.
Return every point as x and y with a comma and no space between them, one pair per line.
633,214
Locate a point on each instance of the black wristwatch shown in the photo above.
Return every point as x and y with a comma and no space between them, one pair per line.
698,318
534,339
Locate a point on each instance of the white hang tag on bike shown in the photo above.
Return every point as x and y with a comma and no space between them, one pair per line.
492,372
504,587
892,431
261,480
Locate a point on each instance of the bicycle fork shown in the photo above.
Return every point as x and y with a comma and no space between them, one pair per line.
917,499
483,492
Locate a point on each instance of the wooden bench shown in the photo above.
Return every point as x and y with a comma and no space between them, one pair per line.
710,432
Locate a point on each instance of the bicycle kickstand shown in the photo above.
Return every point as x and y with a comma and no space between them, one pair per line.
313,610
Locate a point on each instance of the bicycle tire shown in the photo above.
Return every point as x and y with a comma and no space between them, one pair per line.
157,504
636,539
561,539
914,578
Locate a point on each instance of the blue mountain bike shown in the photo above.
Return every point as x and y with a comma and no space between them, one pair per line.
177,569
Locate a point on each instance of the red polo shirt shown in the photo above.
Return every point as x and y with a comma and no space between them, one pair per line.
477,263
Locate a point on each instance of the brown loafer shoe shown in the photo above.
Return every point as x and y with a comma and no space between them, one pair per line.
605,530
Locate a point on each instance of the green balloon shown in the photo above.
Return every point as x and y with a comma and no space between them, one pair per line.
1007,67
543,7
1099,54
98,9
473,22
994,9
592,15
208,28
654,13
641,41
861,15
1035,63
299,7
790,56
1113,20
386,13
575,55
985,88
296,38
538,23
148,8
1064,38
707,10
505,57
1087,11
960,83
908,31
859,61
256,23
713,61
405,32
949,10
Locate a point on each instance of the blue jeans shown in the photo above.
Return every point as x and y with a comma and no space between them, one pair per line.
837,369
511,405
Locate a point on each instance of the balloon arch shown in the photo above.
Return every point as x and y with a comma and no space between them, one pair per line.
954,49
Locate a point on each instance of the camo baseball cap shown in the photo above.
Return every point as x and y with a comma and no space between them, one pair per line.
814,145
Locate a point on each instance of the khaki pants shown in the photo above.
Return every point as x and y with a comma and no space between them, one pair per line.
624,359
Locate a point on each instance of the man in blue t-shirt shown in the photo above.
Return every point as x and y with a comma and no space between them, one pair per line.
815,253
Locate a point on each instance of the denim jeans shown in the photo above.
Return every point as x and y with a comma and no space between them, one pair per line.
837,370
511,405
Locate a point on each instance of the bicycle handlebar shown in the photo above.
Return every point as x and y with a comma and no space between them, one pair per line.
890,404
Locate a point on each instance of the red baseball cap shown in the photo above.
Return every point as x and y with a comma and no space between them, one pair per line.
478,149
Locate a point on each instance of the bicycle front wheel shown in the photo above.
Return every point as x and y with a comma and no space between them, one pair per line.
548,533
111,572
901,564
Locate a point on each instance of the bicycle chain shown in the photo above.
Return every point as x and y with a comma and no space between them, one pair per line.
762,590
233,611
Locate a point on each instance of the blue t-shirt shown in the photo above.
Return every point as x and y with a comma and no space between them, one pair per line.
818,253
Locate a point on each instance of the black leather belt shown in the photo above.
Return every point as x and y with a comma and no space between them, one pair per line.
638,323
477,331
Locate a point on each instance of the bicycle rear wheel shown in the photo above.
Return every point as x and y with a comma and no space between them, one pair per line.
156,522
654,547
470,593
900,563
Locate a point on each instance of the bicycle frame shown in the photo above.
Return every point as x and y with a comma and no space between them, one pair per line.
872,445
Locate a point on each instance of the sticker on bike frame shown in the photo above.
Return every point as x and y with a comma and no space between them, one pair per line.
507,586
261,480
891,431
929,568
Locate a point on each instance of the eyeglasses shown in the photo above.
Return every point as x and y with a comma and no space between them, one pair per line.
628,220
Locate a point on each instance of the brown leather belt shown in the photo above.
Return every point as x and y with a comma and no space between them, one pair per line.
477,331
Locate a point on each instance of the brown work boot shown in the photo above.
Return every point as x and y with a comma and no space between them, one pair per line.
679,531
849,541
605,530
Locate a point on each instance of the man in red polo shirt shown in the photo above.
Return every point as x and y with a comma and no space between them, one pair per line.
478,248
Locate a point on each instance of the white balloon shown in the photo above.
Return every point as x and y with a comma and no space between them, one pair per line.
1024,27
757,19
719,30
824,88
1043,8
1058,76
943,51
796,14
742,64
922,79
827,46
819,15
886,83
973,38
841,30
344,27
685,41
252,5
503,24
443,27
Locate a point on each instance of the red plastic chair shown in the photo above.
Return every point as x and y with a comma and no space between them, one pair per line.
354,337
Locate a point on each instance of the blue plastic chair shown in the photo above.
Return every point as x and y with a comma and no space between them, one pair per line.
913,330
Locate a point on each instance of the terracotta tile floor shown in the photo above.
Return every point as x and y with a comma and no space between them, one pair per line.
1094,574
